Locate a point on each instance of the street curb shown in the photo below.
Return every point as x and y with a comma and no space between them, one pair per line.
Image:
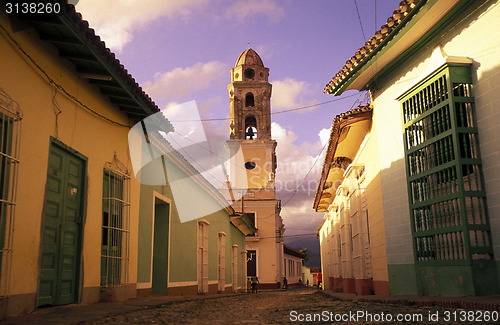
450,304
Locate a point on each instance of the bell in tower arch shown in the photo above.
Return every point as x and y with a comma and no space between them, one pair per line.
250,128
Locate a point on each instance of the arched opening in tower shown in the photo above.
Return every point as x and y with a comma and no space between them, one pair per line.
249,100
250,128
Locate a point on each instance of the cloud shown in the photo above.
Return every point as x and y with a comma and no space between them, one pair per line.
244,9
324,135
299,168
290,93
116,20
266,50
181,83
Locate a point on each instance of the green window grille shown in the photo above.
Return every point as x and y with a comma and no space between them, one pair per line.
115,228
445,183
10,131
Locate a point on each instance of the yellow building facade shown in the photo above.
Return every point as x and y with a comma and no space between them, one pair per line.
70,203
351,237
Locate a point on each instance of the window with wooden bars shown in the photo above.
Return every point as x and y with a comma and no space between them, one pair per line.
221,247
115,225
445,182
234,266
202,257
10,131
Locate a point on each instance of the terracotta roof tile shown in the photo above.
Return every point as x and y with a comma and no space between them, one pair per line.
107,54
405,7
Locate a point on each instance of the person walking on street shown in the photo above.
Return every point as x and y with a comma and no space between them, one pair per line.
320,279
285,283
254,279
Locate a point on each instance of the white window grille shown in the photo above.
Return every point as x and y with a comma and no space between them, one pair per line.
10,132
115,224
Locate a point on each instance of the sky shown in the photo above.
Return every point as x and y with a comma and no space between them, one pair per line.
180,51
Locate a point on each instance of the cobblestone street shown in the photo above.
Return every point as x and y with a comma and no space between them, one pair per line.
297,305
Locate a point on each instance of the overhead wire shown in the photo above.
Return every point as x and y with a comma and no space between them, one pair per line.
359,19
55,84
62,89
272,113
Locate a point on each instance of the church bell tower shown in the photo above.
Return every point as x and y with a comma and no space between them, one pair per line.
250,122
250,98
252,167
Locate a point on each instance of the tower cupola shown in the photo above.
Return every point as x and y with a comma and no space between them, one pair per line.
250,98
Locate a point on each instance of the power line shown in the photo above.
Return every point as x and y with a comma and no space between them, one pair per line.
305,177
284,236
194,160
272,113
56,85
210,151
359,19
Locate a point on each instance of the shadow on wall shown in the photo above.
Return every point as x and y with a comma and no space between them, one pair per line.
486,90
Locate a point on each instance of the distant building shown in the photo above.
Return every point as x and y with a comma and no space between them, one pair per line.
413,193
252,167
314,271
307,277
292,264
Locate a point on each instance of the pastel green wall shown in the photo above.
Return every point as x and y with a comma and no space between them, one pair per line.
183,236
402,279
239,240
458,280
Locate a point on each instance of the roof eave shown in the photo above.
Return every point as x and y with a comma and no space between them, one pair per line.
358,76
337,125
112,79
241,222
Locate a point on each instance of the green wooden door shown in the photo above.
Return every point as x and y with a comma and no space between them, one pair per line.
61,240
160,250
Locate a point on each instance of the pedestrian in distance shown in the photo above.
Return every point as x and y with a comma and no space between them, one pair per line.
254,279
285,283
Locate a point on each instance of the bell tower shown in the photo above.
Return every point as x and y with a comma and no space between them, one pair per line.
250,123
252,167
250,98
